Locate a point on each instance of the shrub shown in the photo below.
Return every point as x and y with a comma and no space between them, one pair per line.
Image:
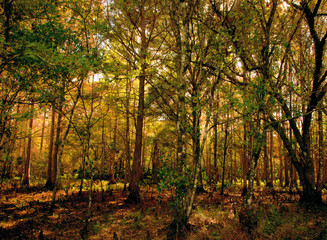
248,218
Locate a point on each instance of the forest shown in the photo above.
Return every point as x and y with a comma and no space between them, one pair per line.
163,119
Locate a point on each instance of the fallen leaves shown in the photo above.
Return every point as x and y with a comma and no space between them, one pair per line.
24,215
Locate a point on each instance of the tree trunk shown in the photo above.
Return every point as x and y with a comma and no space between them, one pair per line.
49,184
103,157
82,175
155,162
255,149
215,150
56,148
235,176
224,157
27,168
245,160
134,195
42,131
127,138
143,154
320,182
271,181
304,167
208,163
113,153
281,161
310,194
265,161
62,145
179,24
196,135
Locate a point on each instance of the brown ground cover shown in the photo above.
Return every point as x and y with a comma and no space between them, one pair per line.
24,214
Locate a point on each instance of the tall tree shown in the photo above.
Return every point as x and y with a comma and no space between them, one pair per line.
268,65
303,162
192,88
27,163
137,46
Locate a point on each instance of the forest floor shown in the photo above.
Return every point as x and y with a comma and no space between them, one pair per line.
24,214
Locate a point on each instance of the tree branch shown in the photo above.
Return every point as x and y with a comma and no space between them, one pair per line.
315,11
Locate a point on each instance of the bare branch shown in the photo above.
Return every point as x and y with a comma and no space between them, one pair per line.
315,11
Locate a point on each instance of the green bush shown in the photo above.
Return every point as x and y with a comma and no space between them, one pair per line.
178,184
274,219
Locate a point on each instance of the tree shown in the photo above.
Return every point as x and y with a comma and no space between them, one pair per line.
184,92
275,42
316,91
49,184
27,164
80,52
15,61
139,18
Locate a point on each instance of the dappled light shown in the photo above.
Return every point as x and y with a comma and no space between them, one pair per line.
149,119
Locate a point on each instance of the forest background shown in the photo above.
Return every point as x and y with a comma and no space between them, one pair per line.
188,96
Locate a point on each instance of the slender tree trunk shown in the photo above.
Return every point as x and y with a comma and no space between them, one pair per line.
320,182
143,154
82,175
290,166
27,169
88,215
245,160
324,163
56,148
196,135
271,181
11,149
255,149
155,162
265,161
113,153
225,155
287,165
281,161
235,165
127,138
49,184
42,131
215,150
286,170
62,145
208,163
103,157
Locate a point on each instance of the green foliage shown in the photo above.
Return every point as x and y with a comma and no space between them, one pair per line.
178,184
96,227
134,219
216,236
273,220
146,178
87,173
